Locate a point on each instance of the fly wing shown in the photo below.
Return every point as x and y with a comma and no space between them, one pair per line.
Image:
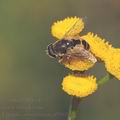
81,54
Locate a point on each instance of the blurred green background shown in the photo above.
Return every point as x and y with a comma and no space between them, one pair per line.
30,81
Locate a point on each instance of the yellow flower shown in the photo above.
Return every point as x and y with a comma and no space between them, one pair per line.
99,47
103,50
71,27
79,86
112,62
67,27
79,65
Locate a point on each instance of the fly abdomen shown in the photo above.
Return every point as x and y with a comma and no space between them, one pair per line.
85,44
50,51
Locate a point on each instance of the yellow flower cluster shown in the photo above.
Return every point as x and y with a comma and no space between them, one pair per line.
99,47
79,86
110,56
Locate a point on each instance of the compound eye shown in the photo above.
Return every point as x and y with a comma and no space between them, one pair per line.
63,46
60,46
85,44
69,44
76,42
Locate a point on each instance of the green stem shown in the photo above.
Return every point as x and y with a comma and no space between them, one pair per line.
73,108
105,79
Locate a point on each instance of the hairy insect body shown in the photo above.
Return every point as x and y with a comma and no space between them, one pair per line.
73,53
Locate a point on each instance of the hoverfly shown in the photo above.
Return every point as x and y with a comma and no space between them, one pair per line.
70,48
